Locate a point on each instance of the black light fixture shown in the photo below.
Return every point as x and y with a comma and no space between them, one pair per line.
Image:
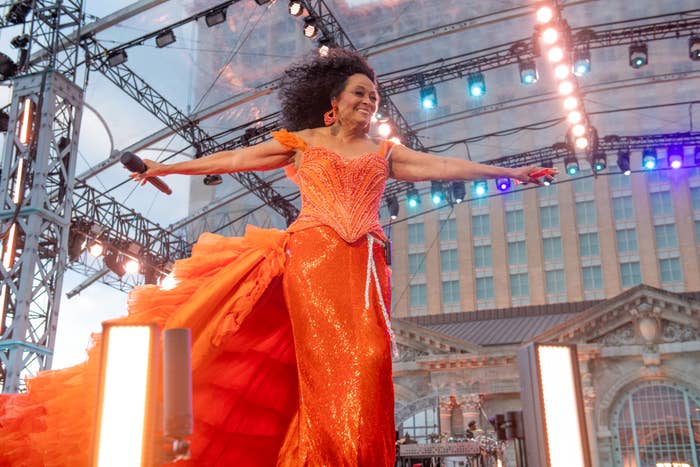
638,55
599,161
571,165
17,14
412,197
310,29
623,161
324,46
213,180
437,192
697,155
694,48
117,58
165,38
20,42
459,191
528,72
392,205
295,8
4,121
114,262
215,17
8,68
582,62
262,2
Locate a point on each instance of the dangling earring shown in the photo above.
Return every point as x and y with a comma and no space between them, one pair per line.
330,117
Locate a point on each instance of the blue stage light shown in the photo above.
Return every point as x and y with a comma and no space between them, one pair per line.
528,72
458,192
649,158
480,188
503,184
428,97
571,165
675,157
437,193
623,161
582,62
600,160
476,85
638,55
412,197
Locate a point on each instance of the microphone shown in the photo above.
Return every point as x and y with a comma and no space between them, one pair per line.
134,163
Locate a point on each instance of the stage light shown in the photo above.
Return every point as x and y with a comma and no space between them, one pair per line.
544,14
20,42
27,122
262,2
212,180
114,262
4,121
17,14
215,17
412,197
571,165
127,396
476,84
528,72
555,54
295,8
675,157
310,29
392,205
168,282
578,130
574,117
117,58
503,184
395,140
324,46
697,155
95,249
76,245
566,88
8,68
582,62
458,191
570,103
547,181
132,266
165,38
437,192
428,97
550,35
694,48
480,188
649,158
599,161
581,142
638,55
384,129
561,71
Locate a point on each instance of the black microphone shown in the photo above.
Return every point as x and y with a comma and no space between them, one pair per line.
134,163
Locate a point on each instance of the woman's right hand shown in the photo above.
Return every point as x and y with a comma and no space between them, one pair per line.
153,169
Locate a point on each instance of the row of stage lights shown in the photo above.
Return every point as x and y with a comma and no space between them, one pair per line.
310,27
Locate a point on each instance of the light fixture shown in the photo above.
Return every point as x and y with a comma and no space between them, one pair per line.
570,103
295,8
215,17
412,197
212,180
165,38
384,129
132,266
582,62
574,117
675,157
76,244
571,165
20,42
550,35
566,88
95,249
8,68
553,411
561,71
26,126
114,262
581,142
476,85
599,161
638,55
262,2
697,155
437,192
428,97
395,140
324,46
17,14
503,184
649,158
480,188
528,72
392,205
458,191
694,48
4,121
578,130
117,58
544,13
310,29
623,161
555,54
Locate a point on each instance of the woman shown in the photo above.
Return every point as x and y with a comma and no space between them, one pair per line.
291,332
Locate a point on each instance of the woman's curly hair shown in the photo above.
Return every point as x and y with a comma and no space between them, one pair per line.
307,88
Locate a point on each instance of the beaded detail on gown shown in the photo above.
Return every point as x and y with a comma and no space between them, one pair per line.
290,348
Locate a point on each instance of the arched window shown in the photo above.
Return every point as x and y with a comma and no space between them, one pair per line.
420,424
655,423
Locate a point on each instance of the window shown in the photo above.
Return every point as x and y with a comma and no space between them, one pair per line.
661,203
695,197
630,274
513,196
626,240
519,285
620,181
450,292
653,424
585,213
514,221
448,230
481,227
556,283
670,270
552,249
421,424
417,295
484,288
666,236
416,263
482,256
588,244
623,209
448,260
415,234
549,217
584,182
592,278
517,253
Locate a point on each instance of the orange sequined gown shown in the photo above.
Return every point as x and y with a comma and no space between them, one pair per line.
290,339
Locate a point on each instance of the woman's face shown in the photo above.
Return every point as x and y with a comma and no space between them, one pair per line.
358,101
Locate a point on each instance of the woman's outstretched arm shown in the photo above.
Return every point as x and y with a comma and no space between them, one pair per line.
414,166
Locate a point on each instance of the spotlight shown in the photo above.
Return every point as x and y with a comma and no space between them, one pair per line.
437,193
582,62
76,244
675,157
215,17
599,161
262,2
428,97
393,205
571,165
20,42
550,35
412,197
528,72
574,117
384,129
95,249
503,184
310,29
480,188
570,103
555,54
578,130
544,14
458,192
132,266
17,14
295,8
165,38
476,84
649,158
697,155
566,88
694,48
212,180
4,121
8,68
114,262
623,161
561,71
324,46
395,140
117,58
638,54
581,142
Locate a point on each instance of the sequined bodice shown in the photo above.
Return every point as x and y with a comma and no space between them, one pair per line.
342,194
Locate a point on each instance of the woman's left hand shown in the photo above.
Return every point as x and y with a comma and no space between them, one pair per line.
532,174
